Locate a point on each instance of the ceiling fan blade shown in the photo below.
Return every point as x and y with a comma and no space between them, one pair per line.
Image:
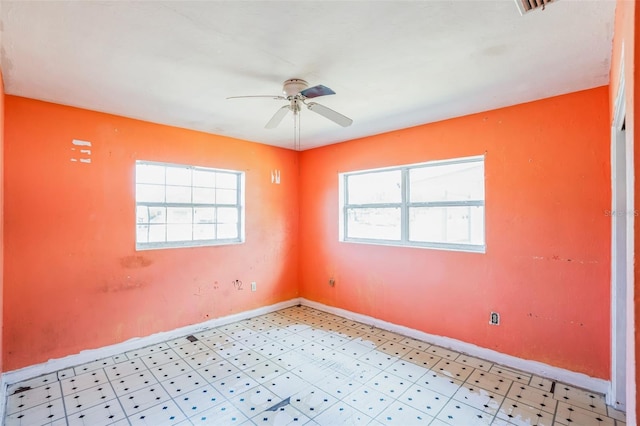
258,96
277,117
332,115
315,91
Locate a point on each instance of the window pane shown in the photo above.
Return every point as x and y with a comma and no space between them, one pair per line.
226,196
204,232
178,194
378,187
204,215
157,215
179,176
455,225
147,173
379,224
448,182
142,233
157,233
177,232
150,193
227,230
227,215
226,180
204,178
142,214
179,214
204,195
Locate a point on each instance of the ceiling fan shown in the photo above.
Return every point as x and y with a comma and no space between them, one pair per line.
296,92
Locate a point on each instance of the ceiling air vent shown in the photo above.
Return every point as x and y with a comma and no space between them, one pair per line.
525,6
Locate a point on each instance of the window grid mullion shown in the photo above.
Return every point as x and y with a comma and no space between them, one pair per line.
404,209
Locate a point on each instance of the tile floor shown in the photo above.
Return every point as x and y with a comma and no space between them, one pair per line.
299,366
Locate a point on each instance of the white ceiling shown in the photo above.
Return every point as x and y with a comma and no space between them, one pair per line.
393,64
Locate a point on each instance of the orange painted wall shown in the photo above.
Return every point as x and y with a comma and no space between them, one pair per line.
546,269
1,211
73,279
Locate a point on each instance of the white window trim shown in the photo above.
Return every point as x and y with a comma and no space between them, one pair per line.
404,204
195,243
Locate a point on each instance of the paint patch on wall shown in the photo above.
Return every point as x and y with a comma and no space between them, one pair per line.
81,151
275,176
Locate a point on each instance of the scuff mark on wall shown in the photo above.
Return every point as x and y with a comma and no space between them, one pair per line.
133,262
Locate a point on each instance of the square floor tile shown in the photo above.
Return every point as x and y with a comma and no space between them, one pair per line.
83,381
511,374
403,415
133,382
439,383
389,384
286,384
452,369
165,413
183,383
199,400
218,370
81,401
368,400
285,415
426,400
519,413
490,382
311,401
103,414
457,414
148,350
481,399
422,358
41,414
470,361
571,415
407,370
171,369
533,397
580,397
234,384
342,414
144,398
94,365
255,401
23,399
125,368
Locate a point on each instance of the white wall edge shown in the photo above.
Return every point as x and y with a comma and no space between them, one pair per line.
89,355
529,366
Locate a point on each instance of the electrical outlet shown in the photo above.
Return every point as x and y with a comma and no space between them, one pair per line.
253,286
494,319
332,282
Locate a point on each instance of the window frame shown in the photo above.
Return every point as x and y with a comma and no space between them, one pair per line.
405,204
239,205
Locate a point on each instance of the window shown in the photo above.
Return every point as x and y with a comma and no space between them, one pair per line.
179,206
438,204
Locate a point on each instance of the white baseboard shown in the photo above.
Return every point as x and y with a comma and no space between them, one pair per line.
534,367
90,355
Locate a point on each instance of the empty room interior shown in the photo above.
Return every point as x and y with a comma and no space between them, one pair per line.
321,213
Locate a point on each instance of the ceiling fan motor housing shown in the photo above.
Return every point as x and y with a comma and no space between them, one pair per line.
293,86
